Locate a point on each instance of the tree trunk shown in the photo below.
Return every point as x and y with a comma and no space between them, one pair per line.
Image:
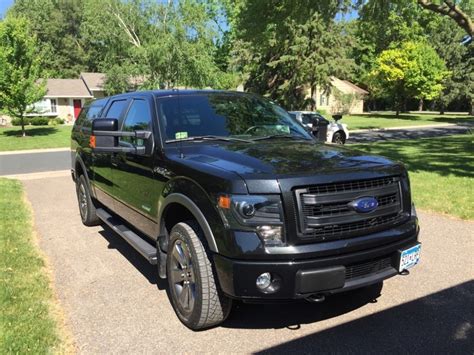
471,111
23,132
420,105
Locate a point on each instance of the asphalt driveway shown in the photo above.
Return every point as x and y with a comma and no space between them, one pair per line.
114,304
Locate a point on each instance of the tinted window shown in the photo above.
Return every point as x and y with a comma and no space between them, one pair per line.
310,118
224,115
116,109
93,112
138,118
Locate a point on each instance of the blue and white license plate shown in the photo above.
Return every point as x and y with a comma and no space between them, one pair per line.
409,257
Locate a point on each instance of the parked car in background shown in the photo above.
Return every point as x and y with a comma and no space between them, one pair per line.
332,132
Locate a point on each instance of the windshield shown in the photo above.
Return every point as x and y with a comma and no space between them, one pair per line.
229,115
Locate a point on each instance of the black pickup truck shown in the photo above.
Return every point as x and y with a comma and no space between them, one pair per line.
232,199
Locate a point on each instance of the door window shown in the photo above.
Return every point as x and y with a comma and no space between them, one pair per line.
116,109
138,119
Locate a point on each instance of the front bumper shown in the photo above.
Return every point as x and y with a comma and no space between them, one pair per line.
300,279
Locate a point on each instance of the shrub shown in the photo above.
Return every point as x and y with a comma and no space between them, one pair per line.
55,121
39,121
17,121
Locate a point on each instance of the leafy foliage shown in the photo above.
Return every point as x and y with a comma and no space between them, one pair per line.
20,68
288,47
413,70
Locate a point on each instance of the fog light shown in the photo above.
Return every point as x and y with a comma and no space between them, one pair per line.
264,280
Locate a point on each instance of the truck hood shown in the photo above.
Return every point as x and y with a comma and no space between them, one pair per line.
280,159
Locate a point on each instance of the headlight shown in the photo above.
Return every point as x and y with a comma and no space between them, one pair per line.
261,214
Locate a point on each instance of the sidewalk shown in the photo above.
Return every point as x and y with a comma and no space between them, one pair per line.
32,151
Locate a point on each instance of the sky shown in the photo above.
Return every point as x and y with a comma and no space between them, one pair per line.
4,5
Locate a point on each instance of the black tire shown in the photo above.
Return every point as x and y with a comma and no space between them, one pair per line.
202,304
339,138
86,205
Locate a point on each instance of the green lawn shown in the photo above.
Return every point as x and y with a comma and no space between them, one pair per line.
388,120
38,137
26,301
441,171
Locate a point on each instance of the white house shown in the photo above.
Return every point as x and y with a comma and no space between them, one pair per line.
327,101
64,98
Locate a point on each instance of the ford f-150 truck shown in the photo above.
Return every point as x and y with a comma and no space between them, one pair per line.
233,199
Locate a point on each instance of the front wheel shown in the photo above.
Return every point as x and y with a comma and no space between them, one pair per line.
86,205
339,138
195,295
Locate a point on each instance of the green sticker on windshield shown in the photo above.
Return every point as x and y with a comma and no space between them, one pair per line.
181,135
283,128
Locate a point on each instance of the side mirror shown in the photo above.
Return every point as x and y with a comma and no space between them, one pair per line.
105,124
105,138
337,117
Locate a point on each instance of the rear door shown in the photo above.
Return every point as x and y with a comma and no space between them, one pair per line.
102,162
134,188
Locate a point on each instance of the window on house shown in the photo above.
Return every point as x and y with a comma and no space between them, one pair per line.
322,99
53,106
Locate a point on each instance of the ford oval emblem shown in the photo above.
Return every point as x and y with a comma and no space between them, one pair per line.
364,204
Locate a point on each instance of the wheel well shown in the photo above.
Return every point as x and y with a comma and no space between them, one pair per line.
79,170
342,132
174,214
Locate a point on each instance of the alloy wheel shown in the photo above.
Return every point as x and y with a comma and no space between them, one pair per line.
182,275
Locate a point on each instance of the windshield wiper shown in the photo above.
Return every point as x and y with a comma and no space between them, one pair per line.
284,135
209,138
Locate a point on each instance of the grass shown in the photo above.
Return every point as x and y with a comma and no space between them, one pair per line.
441,171
27,323
388,120
38,137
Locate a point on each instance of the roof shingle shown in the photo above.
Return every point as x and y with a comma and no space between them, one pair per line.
67,88
94,81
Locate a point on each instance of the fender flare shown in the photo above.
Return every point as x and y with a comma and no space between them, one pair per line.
196,212
78,160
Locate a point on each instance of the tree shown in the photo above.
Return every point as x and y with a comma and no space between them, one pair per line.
412,70
452,10
168,44
56,25
20,69
447,38
286,47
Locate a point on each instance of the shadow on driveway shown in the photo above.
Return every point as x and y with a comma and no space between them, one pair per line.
438,323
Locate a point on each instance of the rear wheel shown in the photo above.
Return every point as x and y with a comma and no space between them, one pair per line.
86,205
339,138
195,295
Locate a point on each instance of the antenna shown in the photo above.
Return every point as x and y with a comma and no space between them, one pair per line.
180,143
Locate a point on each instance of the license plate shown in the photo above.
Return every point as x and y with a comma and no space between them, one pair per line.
409,257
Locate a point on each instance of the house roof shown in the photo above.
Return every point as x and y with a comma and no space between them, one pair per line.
66,88
94,81
347,87
356,88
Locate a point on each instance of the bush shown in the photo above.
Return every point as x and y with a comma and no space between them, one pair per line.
55,121
39,121
17,121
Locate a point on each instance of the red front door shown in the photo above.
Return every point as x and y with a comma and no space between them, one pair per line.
77,108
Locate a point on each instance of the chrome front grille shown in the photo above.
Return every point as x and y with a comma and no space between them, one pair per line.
324,211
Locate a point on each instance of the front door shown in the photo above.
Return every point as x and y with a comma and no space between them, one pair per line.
102,172
77,108
134,187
